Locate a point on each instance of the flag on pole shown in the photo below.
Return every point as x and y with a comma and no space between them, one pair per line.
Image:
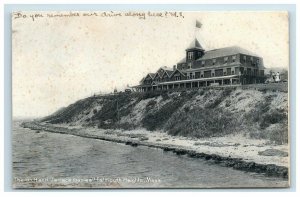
198,24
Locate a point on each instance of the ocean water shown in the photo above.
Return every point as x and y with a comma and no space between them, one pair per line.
49,160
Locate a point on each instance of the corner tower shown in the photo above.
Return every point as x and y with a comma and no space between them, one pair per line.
194,52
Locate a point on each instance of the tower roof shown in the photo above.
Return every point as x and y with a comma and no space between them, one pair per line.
195,45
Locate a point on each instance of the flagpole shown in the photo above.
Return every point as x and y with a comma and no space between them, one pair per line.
195,30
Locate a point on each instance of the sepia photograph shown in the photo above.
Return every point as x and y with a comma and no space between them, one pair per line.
150,99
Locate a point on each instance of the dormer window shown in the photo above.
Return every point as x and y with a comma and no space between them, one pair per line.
190,55
233,58
225,60
199,54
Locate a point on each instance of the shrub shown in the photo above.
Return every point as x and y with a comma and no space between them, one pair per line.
241,98
201,122
94,111
150,94
165,95
272,117
225,93
262,107
278,134
150,104
228,103
66,115
186,109
263,90
112,107
156,119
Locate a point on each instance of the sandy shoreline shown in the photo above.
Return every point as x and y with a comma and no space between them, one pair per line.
236,151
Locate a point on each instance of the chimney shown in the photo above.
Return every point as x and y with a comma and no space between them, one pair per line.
174,67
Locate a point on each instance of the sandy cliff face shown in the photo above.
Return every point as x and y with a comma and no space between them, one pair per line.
201,113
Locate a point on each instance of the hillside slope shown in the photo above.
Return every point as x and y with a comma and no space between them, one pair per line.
201,113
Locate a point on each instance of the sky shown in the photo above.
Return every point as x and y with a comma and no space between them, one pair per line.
59,60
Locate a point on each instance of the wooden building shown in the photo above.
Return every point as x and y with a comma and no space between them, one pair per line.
199,68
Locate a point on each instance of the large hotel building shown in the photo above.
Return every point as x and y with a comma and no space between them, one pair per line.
219,67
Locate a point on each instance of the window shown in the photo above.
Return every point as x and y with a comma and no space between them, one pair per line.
252,62
190,55
225,60
189,65
232,72
242,70
233,58
207,73
212,74
237,70
219,72
201,76
244,59
177,78
255,72
228,70
202,63
214,61
249,71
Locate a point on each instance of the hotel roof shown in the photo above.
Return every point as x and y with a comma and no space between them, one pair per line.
227,51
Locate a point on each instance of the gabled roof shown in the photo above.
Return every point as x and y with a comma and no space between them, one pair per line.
152,75
157,74
227,51
164,68
142,80
178,71
195,45
168,72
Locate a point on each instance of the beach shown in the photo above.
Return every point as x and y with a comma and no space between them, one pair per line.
234,151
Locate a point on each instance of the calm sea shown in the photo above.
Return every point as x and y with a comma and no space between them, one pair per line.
46,160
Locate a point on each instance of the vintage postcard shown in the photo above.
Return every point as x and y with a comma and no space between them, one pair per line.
150,99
